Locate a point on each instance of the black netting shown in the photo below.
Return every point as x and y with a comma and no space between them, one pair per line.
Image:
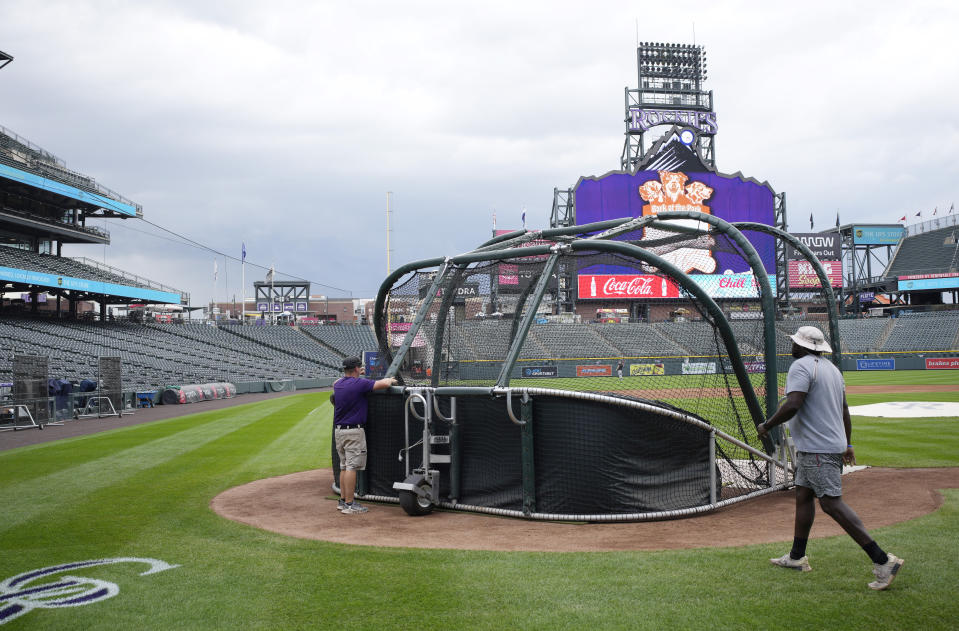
593,321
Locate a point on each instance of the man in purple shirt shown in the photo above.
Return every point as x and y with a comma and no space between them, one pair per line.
349,423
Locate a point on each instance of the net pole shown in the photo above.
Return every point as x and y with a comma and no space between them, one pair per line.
520,339
417,322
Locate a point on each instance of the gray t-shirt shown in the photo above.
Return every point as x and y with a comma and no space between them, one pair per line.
817,427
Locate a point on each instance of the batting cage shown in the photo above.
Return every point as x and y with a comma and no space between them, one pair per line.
511,404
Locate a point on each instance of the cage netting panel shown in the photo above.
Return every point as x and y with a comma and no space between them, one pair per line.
626,460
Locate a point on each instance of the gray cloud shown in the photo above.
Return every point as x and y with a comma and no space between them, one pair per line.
283,125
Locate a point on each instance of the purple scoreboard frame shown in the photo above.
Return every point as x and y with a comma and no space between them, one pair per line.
733,198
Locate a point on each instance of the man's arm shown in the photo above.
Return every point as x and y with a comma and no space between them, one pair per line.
384,383
794,401
849,456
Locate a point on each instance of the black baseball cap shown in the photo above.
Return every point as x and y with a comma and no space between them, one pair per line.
350,363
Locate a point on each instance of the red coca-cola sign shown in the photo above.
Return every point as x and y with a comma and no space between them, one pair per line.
626,286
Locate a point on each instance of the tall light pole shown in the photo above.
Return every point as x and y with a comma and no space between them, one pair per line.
389,196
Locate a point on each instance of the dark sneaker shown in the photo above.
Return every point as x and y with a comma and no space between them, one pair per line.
790,563
341,504
886,573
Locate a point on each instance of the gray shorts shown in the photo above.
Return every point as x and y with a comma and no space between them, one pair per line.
351,448
820,472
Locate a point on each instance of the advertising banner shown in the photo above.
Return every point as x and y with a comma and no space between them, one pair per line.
626,286
732,285
643,286
928,283
643,370
888,363
699,368
374,367
539,371
877,235
46,279
826,246
942,363
803,275
594,371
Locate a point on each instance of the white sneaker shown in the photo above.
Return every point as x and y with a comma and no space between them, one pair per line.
886,573
790,563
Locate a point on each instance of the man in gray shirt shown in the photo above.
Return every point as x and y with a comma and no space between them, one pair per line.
821,429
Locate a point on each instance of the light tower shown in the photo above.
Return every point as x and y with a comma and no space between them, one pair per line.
670,92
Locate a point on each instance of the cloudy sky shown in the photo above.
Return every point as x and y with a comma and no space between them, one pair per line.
284,124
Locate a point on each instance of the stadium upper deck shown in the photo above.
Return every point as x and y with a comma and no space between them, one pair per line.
44,204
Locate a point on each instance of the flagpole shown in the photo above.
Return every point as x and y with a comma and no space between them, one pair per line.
243,283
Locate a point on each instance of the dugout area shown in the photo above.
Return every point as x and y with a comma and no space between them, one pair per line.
507,407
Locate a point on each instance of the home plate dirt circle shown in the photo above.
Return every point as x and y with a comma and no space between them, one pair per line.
301,505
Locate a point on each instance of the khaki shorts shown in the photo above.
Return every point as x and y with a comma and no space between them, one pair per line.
351,448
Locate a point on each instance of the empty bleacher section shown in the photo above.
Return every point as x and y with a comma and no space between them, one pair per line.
863,335
157,355
932,331
282,343
568,341
690,337
933,252
347,340
639,340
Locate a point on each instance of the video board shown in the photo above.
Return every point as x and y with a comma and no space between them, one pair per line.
733,198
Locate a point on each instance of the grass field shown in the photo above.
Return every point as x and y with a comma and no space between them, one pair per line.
144,492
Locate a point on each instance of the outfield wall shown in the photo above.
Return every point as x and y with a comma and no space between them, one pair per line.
653,366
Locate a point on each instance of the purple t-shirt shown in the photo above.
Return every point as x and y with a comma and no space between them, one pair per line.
349,393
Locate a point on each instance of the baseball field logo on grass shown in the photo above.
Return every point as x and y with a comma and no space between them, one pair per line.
21,593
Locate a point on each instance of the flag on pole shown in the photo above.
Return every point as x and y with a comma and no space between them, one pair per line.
903,218
919,214
951,207
269,275
242,252
216,271
837,218
494,220
524,218
810,221
935,210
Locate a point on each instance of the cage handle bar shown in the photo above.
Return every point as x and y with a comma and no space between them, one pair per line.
509,405
436,408
412,408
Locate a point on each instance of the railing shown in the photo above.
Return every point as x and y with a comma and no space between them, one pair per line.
43,153
100,232
139,280
44,163
929,225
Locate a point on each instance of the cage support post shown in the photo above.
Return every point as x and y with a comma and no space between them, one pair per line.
529,470
523,331
712,468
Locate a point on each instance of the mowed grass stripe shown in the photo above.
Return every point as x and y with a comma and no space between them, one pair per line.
910,442
303,447
52,497
93,447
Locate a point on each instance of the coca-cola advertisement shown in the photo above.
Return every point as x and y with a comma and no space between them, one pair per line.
626,286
